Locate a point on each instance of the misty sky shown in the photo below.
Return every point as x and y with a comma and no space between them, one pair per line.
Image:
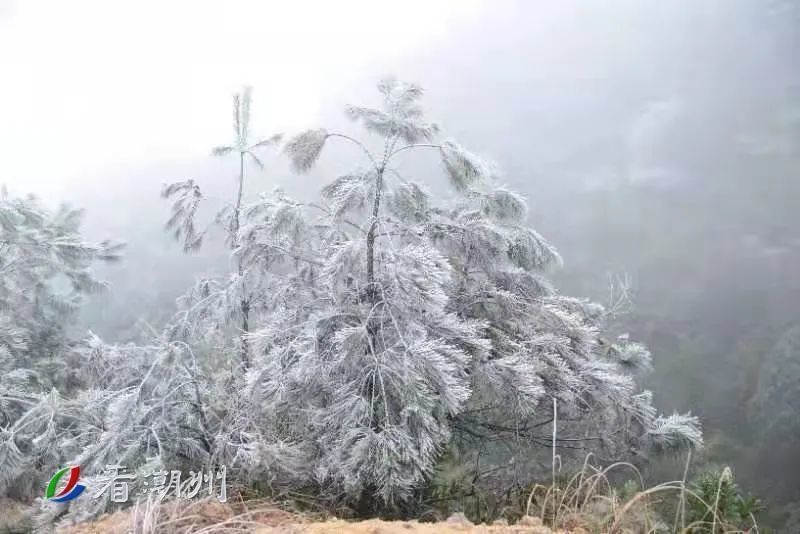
89,84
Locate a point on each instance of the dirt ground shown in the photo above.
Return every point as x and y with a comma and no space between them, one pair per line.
264,517
119,524
376,526
280,522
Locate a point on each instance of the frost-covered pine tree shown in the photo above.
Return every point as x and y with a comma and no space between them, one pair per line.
391,323
81,402
45,271
383,328
182,223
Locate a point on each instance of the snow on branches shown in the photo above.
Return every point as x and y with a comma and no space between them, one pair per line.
420,321
358,338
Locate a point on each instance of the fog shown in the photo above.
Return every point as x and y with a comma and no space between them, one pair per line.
656,142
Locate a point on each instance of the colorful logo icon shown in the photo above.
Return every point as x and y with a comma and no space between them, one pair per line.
70,491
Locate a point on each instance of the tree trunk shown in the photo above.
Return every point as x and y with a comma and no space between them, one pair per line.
244,305
376,205
238,206
245,308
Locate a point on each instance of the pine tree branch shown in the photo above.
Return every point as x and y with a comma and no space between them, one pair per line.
409,147
357,143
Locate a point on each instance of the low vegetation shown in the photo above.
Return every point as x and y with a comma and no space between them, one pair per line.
586,502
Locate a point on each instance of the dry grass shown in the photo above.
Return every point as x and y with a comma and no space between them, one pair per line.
590,501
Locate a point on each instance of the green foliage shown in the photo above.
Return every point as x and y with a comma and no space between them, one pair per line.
716,493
